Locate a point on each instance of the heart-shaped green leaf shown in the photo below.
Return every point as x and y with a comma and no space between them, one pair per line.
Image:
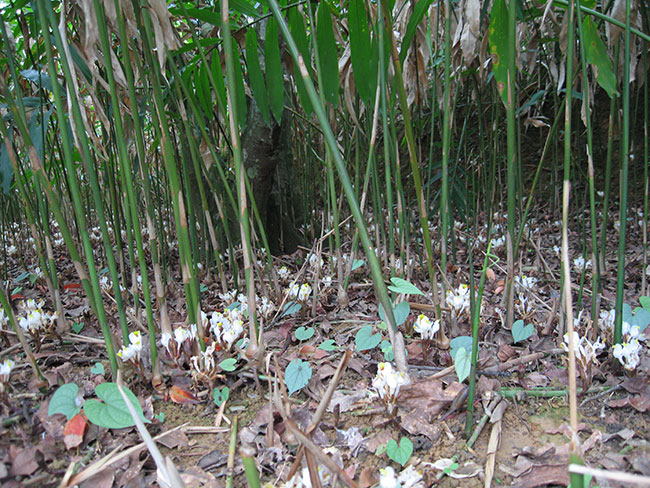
65,401
328,345
400,454
98,368
290,308
462,364
304,333
220,396
402,286
229,364
112,412
387,349
365,339
297,375
77,327
521,332
645,302
400,312
357,263
460,342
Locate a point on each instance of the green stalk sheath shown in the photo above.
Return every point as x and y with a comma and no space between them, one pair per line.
625,158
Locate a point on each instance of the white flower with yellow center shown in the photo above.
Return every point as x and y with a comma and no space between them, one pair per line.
425,327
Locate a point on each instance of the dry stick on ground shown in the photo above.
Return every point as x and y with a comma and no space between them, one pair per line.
320,411
493,444
285,412
108,460
627,478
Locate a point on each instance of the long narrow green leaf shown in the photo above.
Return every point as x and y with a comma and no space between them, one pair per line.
596,53
499,46
360,49
327,54
418,14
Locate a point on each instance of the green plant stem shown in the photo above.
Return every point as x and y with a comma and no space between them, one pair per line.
382,292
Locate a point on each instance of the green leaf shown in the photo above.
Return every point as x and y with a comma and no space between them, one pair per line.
274,76
229,364
521,332
220,86
220,396
387,350
299,33
416,17
400,312
402,453
239,91
98,368
402,286
645,302
365,339
328,345
77,327
304,333
160,417
500,46
460,342
245,7
112,412
462,364
6,169
327,54
297,375
290,308
361,54
64,401
596,54
255,76
641,318
357,263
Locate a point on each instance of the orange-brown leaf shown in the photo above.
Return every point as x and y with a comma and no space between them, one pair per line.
183,397
73,433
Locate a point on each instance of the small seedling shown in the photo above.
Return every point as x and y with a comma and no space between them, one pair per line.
220,396
297,375
521,332
229,364
304,333
77,327
328,345
365,339
97,368
400,453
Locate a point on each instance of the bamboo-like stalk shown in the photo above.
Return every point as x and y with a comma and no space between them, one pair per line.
512,163
446,142
625,158
396,338
574,444
256,347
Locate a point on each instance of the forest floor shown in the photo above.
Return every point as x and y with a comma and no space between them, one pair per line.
521,393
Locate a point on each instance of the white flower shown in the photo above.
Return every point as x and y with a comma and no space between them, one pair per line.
327,281
228,297
283,273
5,369
208,356
181,335
11,250
425,327
628,354
580,264
165,339
498,242
387,478
607,318
293,289
458,299
305,291
232,333
524,281
265,307
133,350
388,382
314,261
